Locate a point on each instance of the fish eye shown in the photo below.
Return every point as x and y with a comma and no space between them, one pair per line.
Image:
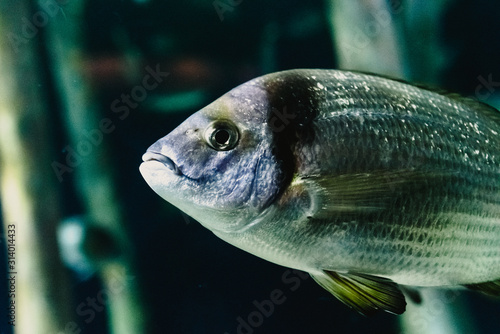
221,135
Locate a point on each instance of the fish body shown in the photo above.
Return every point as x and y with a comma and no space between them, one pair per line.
366,183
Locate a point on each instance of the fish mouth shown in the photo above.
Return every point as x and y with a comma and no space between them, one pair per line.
166,161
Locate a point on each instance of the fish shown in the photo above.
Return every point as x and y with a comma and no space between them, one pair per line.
372,185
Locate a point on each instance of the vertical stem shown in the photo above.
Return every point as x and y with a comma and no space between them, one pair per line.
29,190
91,165
366,38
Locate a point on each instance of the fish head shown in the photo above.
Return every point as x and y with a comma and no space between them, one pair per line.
218,166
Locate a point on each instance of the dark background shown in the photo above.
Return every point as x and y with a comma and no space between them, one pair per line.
192,281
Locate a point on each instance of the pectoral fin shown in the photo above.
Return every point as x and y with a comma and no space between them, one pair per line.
371,192
364,293
490,288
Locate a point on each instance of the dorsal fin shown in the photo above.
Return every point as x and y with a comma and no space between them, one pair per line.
481,107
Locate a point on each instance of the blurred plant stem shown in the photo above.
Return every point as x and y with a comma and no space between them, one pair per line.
366,37
29,189
93,173
395,38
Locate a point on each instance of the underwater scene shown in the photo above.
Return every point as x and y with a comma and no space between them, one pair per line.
249,167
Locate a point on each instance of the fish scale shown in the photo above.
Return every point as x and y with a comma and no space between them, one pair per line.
364,182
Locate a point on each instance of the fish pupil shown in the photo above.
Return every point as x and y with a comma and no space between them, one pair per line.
221,136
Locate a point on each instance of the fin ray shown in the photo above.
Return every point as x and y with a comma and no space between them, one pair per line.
364,293
371,192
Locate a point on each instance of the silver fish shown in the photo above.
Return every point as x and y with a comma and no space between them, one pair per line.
364,182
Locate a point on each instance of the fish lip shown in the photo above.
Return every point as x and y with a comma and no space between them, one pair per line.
166,161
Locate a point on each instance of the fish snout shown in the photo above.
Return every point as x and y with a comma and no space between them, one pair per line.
166,161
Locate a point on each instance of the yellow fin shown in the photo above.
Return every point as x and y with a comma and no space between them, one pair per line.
490,288
364,293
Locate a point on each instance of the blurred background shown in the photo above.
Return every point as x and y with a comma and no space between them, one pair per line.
87,86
